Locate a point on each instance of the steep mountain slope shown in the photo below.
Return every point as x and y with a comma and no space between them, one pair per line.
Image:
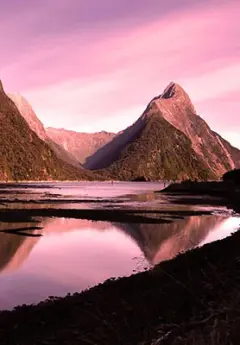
169,141
233,151
36,125
29,115
80,145
23,155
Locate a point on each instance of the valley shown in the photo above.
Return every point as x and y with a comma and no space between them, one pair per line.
169,141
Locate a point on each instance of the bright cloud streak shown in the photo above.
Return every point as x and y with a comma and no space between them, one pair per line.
101,76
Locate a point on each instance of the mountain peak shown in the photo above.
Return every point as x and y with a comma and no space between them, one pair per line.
172,90
28,114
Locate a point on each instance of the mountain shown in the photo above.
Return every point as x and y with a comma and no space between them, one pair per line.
168,141
36,125
80,145
234,152
23,155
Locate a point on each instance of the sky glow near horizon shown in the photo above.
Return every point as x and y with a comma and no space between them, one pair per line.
91,65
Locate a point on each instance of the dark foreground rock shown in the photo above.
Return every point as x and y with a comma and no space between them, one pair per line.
193,299
225,193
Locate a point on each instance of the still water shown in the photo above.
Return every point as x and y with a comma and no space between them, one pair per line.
75,254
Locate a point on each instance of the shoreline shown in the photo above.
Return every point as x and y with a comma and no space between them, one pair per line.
189,292
191,299
225,193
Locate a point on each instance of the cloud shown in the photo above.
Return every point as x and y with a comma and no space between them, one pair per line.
233,138
105,73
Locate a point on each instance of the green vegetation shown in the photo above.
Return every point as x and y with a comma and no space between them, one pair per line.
151,149
23,156
160,151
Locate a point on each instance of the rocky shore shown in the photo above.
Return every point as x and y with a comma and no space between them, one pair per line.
214,193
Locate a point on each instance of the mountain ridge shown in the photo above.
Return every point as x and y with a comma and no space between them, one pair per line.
23,155
168,141
37,126
80,144
207,157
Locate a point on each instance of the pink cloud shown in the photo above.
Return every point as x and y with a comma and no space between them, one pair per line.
91,80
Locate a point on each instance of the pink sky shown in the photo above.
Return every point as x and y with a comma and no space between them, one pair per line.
94,65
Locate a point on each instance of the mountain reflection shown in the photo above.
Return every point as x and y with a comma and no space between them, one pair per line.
160,242
15,249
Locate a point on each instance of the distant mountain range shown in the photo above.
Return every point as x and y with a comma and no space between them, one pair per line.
168,141
36,125
80,145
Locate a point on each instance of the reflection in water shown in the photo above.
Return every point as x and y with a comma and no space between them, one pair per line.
161,242
71,256
74,254
15,249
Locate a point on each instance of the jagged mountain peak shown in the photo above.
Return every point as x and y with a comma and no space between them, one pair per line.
173,104
173,100
171,90
169,140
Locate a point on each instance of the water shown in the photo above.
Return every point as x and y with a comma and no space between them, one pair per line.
75,254
84,190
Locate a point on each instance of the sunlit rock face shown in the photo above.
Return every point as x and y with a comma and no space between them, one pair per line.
176,107
29,115
36,125
168,141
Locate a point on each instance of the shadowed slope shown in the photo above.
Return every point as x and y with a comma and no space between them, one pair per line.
79,145
36,125
168,141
